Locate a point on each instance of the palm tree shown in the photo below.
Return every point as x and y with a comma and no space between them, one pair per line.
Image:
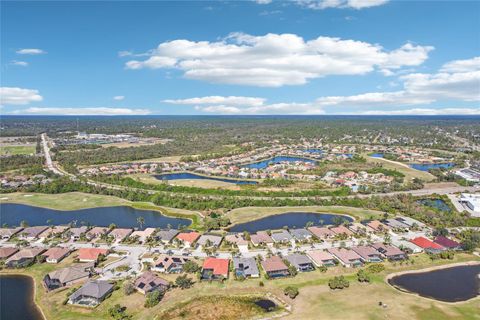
141,221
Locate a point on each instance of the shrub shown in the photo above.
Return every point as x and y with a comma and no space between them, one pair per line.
363,276
338,283
292,292
128,288
153,298
376,268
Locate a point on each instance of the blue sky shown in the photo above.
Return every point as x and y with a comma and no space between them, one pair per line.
240,57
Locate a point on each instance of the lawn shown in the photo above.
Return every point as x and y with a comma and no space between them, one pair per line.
246,214
197,183
403,168
15,150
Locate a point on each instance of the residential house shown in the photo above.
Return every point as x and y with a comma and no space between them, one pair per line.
91,293
209,240
321,233
300,262
342,230
91,254
56,254
188,238
281,236
246,267
23,258
427,245
7,252
148,282
274,267
395,224
447,243
347,257
377,226
119,234
96,232
54,231
169,264
76,233
410,222
215,269
301,234
32,233
321,258
406,246
7,233
238,240
261,238
166,236
368,254
391,253
67,276
143,235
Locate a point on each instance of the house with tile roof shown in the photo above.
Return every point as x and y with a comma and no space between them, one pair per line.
300,262
169,264
321,258
188,238
347,257
427,245
215,269
23,258
149,281
274,267
91,254
67,276
56,254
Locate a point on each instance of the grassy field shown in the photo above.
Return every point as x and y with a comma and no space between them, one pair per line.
14,150
246,214
198,183
403,168
78,200
315,301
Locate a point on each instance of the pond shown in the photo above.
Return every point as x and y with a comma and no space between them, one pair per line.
314,151
452,284
377,155
16,298
288,219
266,305
428,166
435,203
124,217
193,176
265,163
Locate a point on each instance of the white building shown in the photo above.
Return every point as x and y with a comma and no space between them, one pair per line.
472,202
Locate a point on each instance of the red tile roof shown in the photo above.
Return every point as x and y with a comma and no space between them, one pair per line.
91,253
447,243
426,244
219,266
188,236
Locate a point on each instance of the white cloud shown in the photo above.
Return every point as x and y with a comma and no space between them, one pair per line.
19,63
341,4
230,100
274,60
467,65
423,111
83,111
118,98
18,96
31,51
263,1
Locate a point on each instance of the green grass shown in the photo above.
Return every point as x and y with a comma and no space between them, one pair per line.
15,150
408,172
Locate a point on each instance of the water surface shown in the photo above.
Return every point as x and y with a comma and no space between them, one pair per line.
122,216
288,219
193,176
428,166
265,304
435,203
265,163
451,285
16,298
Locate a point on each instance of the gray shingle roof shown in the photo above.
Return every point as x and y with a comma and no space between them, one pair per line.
247,265
93,288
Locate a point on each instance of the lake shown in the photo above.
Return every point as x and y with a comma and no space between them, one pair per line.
314,151
265,163
193,176
377,155
428,166
122,216
435,203
16,298
451,285
289,219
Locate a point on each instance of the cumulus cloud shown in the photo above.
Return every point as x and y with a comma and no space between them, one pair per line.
83,111
467,65
19,63
418,89
341,4
263,1
118,98
31,51
275,60
18,96
423,111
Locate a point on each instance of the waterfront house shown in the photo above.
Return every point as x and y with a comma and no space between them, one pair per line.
91,254
32,233
300,262
188,238
169,264
342,230
148,282
281,236
321,233
209,240
56,254
301,234
238,240
410,222
406,246
274,267
396,224
96,232
54,231
67,276
368,254
321,258
91,293
347,257
166,236
390,252
143,235
7,233
7,252
215,269
427,245
447,243
119,234
377,226
23,258
76,233
246,267
261,238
